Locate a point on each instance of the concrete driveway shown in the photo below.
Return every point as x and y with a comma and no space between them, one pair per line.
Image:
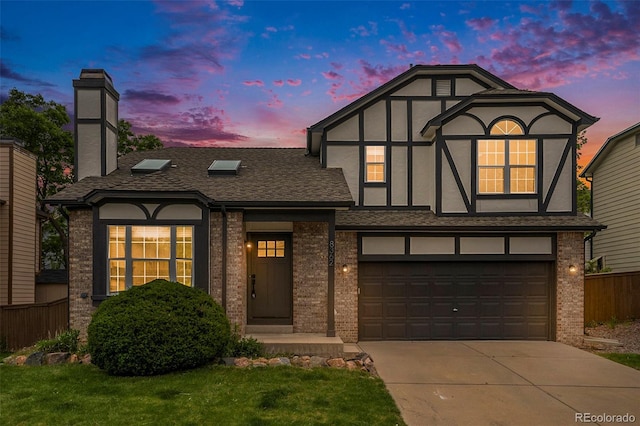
504,383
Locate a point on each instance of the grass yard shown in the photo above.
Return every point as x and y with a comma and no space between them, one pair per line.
631,360
214,395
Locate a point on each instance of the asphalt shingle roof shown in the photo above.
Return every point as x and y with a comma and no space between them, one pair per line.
266,175
361,219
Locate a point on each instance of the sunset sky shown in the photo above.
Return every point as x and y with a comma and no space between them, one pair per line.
258,73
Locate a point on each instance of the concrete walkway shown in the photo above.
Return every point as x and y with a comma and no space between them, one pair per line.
504,383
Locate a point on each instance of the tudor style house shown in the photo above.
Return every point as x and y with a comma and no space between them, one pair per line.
439,206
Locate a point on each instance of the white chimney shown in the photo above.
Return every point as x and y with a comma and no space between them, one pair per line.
96,124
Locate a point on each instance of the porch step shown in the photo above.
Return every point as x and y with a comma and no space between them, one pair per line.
268,329
300,344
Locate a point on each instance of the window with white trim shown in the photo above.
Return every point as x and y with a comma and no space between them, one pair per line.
507,166
374,164
139,254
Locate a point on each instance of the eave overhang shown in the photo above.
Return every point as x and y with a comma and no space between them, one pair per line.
583,119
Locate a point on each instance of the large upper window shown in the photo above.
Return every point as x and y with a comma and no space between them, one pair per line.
139,254
507,166
374,168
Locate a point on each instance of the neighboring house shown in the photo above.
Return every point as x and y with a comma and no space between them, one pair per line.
615,198
439,206
19,225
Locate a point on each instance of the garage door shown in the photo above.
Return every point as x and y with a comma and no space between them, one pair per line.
454,300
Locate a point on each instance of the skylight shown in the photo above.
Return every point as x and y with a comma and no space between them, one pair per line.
224,167
150,165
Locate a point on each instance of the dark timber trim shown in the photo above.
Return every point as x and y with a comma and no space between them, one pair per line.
556,176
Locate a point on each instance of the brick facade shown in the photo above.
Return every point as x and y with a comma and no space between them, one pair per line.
310,276
80,270
215,251
236,271
346,286
570,288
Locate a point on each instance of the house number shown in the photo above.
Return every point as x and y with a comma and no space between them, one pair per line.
332,253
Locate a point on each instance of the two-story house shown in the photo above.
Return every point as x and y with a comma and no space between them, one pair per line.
439,206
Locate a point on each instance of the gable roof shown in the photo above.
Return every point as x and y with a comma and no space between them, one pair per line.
267,177
470,69
606,148
497,96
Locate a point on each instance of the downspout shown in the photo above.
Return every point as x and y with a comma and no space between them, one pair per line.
593,233
224,258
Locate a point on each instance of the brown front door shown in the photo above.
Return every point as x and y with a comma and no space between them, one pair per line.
270,279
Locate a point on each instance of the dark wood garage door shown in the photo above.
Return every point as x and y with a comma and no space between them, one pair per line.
454,300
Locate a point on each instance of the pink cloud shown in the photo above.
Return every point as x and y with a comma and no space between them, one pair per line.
278,83
365,31
448,38
539,55
303,56
294,83
258,83
205,125
401,51
481,24
331,75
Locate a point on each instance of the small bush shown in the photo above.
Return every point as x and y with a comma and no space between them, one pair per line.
157,328
67,341
246,346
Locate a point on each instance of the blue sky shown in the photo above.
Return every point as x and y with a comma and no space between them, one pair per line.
257,73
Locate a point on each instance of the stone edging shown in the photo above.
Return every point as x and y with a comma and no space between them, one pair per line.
362,361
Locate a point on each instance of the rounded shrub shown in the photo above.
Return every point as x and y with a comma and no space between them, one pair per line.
156,328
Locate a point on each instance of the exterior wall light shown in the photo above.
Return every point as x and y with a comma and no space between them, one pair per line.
248,244
573,269
345,268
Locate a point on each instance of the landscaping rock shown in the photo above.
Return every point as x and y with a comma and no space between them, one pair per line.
35,358
73,359
56,358
336,363
258,364
20,359
10,360
274,362
242,362
351,365
86,359
318,361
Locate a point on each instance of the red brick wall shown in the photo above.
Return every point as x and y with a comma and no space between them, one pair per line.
310,276
236,272
215,251
570,288
346,286
80,270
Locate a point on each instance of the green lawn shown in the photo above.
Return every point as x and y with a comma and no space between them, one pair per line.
214,395
632,360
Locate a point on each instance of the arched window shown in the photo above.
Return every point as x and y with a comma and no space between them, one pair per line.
507,165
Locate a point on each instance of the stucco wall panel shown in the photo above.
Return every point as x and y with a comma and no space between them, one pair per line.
346,131
375,122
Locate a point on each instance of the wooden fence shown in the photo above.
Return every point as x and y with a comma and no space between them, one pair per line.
611,295
23,325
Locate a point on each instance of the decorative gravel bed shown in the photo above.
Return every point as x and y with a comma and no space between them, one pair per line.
627,333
